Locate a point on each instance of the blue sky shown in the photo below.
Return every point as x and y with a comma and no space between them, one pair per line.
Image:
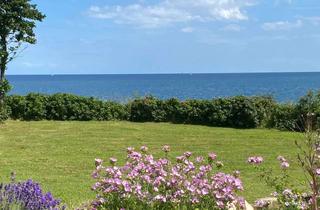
173,36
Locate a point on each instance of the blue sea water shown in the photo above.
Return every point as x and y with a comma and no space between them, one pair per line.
282,86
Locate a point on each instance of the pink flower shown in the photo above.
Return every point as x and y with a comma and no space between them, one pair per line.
212,156
281,159
199,159
98,162
318,171
261,204
187,154
144,149
255,160
285,165
180,159
130,150
113,160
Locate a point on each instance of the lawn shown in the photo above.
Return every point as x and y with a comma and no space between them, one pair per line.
60,155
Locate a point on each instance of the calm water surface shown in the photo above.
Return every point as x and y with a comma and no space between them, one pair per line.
283,86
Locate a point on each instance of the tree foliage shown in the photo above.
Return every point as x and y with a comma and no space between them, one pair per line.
17,23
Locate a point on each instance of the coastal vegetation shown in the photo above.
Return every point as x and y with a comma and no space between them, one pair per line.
235,112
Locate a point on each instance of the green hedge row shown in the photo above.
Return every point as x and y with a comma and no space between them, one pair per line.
237,112
63,107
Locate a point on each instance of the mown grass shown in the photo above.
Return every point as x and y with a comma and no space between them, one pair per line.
60,155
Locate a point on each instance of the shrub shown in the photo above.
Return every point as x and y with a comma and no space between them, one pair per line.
238,112
309,103
17,106
283,117
147,109
64,107
148,183
35,108
26,195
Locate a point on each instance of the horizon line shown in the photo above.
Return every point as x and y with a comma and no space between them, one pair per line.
198,73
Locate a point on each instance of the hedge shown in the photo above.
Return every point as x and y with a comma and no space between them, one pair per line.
237,112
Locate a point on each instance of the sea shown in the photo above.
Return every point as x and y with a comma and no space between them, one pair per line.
284,87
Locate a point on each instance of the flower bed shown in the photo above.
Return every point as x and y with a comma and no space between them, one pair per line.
145,182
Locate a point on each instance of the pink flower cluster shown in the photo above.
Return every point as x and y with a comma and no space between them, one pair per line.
283,162
260,204
255,160
150,183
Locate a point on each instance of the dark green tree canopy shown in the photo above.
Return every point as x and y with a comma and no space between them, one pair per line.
17,22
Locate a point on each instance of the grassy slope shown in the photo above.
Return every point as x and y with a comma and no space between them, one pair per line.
60,155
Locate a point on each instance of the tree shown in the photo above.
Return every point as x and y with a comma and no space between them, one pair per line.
17,23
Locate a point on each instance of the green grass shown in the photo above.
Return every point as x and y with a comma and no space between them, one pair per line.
60,155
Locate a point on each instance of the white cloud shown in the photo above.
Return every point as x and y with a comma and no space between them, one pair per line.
315,20
187,30
168,12
281,25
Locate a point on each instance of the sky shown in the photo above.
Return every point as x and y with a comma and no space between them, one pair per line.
173,36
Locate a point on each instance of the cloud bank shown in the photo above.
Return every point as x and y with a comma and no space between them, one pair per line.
168,12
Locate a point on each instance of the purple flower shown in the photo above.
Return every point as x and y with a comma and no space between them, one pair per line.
27,195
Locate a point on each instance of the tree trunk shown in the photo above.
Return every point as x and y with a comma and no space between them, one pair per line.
3,67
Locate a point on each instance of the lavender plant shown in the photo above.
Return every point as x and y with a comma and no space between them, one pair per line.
148,183
26,195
